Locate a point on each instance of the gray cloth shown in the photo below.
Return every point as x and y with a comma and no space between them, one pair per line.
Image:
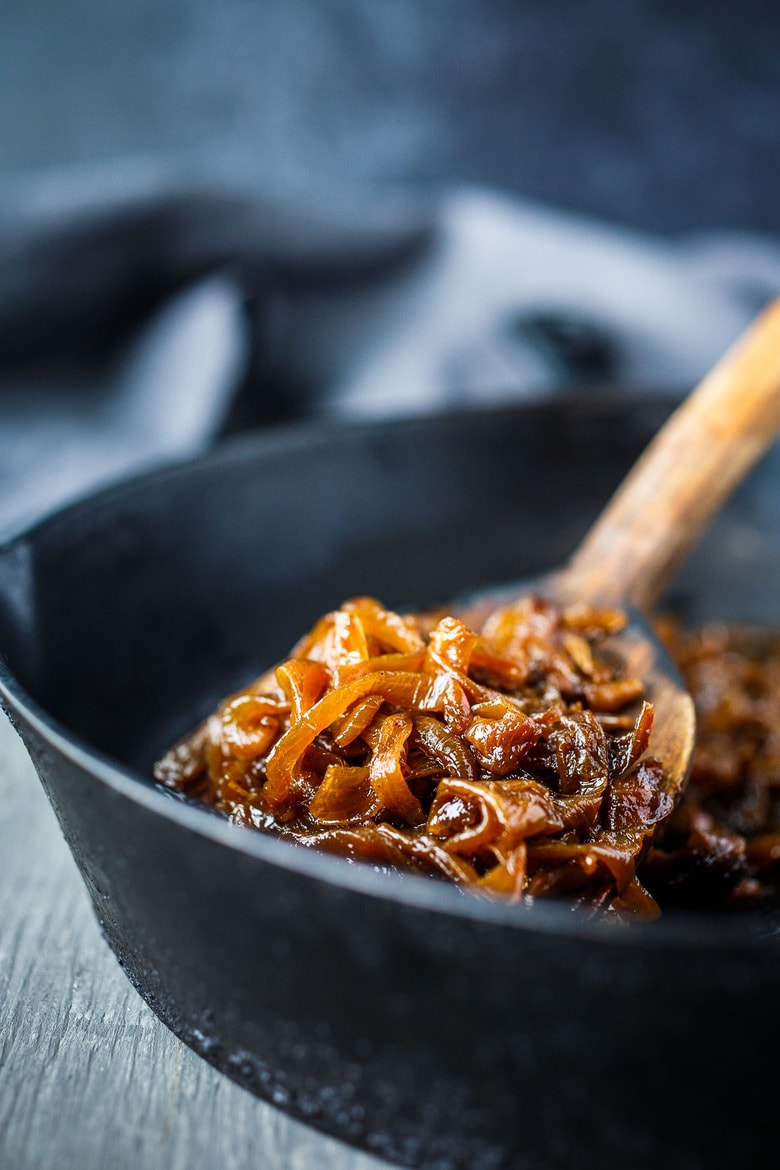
145,314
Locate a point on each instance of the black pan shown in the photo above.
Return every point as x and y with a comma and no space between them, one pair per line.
406,1018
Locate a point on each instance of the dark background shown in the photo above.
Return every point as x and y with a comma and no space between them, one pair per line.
661,113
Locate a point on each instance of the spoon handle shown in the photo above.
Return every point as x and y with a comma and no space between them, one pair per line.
698,457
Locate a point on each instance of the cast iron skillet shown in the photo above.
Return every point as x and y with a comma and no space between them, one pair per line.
395,1013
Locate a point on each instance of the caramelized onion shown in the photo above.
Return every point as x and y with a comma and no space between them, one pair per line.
511,760
720,849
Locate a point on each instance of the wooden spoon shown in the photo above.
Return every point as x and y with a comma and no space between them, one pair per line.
631,553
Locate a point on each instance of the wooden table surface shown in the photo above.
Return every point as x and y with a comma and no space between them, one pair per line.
90,1079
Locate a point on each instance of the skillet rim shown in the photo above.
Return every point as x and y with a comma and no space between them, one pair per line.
676,928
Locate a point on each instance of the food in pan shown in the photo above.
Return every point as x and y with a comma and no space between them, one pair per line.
512,762
720,849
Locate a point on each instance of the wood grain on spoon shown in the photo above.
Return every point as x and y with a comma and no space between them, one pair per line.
698,457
